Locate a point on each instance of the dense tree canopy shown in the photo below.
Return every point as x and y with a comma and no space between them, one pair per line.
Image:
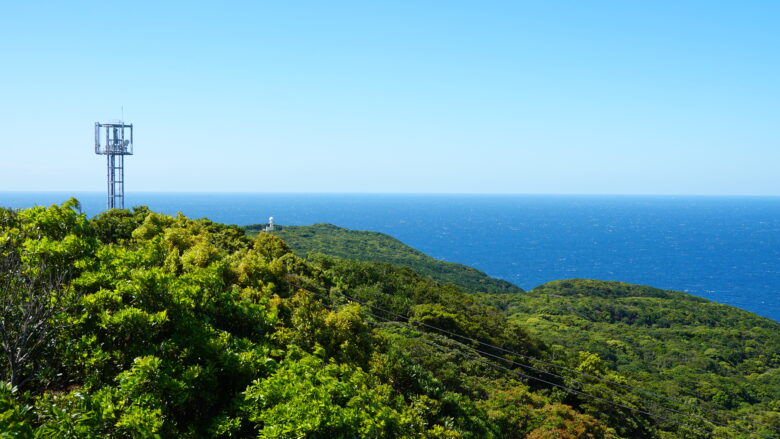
167,326
378,247
693,350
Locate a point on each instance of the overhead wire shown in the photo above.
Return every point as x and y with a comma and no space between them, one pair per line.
602,379
527,366
580,392
530,377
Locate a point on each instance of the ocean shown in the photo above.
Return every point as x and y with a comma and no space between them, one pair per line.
726,249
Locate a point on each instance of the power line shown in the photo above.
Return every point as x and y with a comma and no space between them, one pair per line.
636,389
604,380
576,391
565,388
634,399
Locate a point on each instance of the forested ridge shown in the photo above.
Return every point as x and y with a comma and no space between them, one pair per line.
671,342
378,247
136,324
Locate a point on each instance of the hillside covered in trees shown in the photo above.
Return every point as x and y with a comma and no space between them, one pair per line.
378,247
670,342
684,347
135,324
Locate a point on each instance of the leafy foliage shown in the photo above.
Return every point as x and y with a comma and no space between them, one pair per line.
181,327
378,247
670,342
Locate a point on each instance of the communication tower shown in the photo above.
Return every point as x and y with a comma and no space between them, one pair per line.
115,141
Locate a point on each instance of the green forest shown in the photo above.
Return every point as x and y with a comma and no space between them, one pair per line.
378,247
134,324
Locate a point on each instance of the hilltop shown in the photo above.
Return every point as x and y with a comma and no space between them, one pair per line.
379,247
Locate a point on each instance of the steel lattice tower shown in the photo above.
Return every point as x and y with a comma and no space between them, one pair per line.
111,141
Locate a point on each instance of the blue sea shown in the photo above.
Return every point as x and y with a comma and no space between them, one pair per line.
725,249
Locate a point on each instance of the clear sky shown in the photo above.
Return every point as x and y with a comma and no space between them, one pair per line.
602,97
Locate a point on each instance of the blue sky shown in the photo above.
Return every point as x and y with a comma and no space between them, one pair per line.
596,97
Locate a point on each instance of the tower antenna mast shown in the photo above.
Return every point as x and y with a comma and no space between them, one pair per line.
115,141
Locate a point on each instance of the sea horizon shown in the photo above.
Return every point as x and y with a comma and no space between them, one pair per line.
523,194
720,247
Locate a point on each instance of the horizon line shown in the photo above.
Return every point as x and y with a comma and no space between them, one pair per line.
564,194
